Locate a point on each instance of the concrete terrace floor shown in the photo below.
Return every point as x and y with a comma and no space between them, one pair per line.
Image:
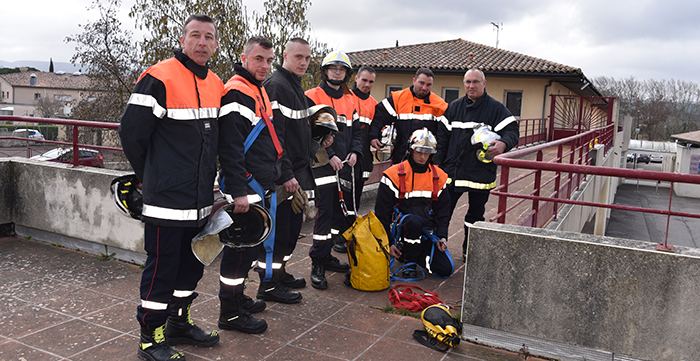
59,304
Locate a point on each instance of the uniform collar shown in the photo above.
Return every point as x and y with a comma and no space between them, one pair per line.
474,104
291,76
360,94
333,93
243,72
200,71
426,98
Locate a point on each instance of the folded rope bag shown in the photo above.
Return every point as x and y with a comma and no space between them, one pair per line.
368,254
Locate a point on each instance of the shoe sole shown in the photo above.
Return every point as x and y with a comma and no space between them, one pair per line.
319,287
224,326
187,341
274,299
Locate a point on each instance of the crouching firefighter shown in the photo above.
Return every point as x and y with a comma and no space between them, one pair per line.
413,206
249,154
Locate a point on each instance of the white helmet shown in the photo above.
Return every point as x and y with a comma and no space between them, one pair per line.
422,140
339,58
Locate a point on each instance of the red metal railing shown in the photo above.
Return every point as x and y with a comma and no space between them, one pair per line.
75,132
567,177
532,131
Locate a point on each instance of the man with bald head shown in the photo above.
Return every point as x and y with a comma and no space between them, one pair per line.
459,157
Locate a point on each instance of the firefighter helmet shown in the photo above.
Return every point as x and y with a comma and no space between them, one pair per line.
483,136
323,118
338,58
388,135
440,325
248,229
127,195
422,140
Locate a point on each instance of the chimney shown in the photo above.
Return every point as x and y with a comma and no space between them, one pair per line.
32,79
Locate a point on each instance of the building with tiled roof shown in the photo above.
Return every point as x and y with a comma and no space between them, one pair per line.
687,161
522,82
19,92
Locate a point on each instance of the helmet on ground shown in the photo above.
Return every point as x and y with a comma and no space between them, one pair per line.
440,325
323,118
337,58
422,140
127,196
249,229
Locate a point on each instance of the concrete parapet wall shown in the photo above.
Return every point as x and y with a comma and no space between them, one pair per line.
56,203
583,292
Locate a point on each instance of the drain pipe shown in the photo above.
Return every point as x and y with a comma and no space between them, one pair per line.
544,99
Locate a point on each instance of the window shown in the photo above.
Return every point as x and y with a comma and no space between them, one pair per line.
514,102
450,94
392,88
62,97
37,96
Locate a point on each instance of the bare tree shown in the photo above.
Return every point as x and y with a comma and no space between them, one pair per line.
47,107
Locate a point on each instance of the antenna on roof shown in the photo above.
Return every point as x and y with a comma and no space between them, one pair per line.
498,27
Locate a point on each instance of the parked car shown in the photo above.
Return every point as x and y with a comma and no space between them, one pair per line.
643,158
656,158
88,157
28,133
630,157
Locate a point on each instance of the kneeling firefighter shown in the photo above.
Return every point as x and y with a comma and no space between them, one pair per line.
412,201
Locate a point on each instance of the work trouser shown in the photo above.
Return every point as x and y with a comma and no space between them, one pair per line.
235,265
330,220
170,274
287,228
475,212
417,248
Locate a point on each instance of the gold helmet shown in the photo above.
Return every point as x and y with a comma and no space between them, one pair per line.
482,137
440,325
422,140
322,118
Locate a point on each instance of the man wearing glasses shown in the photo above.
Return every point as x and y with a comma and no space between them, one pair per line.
456,154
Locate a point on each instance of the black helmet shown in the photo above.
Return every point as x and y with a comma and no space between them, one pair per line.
127,196
248,229
322,118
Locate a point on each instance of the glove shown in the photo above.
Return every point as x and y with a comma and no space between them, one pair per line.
299,202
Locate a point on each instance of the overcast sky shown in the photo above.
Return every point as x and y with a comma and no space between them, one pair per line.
649,39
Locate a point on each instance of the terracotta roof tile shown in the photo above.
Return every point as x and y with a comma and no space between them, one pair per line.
457,54
690,137
48,80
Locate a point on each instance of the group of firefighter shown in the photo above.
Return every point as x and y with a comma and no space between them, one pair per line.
274,147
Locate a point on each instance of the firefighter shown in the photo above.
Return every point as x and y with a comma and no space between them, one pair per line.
412,198
408,110
169,135
364,105
461,158
243,151
343,154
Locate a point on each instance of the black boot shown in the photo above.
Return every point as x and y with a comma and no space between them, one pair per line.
180,329
318,276
334,264
464,244
289,280
340,244
153,347
233,316
275,291
251,305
